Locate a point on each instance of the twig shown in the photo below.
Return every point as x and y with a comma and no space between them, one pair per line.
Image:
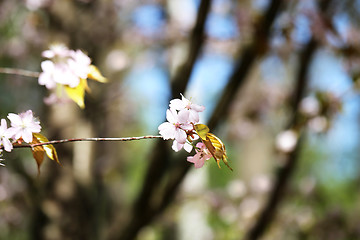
19,72
84,140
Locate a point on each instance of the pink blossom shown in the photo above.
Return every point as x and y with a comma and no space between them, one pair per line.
192,108
202,155
176,126
178,146
79,63
64,75
65,67
47,77
188,147
23,125
57,73
4,136
56,50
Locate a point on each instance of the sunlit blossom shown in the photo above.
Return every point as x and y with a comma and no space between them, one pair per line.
4,136
64,67
186,104
79,63
56,50
176,126
23,126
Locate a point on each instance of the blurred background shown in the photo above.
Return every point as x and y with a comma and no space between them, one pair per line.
279,80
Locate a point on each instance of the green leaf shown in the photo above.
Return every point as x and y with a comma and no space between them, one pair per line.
201,130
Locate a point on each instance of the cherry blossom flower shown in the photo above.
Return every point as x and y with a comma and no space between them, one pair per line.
65,76
23,126
202,155
65,67
4,136
187,146
176,126
79,63
192,108
178,146
48,75
57,73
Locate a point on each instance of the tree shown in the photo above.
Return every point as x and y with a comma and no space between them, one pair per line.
256,66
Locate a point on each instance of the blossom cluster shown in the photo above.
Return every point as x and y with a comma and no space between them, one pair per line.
22,127
64,66
67,71
182,116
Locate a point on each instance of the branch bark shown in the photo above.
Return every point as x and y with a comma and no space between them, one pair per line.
141,213
124,139
285,172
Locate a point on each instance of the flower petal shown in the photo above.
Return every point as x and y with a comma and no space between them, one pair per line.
14,119
197,108
171,115
177,104
167,130
180,136
188,147
176,146
7,144
193,116
183,116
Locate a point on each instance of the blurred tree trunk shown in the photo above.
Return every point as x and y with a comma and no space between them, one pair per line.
74,197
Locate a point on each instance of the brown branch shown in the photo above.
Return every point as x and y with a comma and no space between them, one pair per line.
197,39
19,72
141,213
125,139
246,60
285,172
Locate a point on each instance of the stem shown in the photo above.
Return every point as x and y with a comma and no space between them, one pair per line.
20,72
85,139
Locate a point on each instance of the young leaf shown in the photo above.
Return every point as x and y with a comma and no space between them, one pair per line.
218,150
77,94
215,146
201,130
49,148
38,153
96,75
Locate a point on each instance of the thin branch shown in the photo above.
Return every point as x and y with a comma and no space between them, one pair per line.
19,72
285,172
85,140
